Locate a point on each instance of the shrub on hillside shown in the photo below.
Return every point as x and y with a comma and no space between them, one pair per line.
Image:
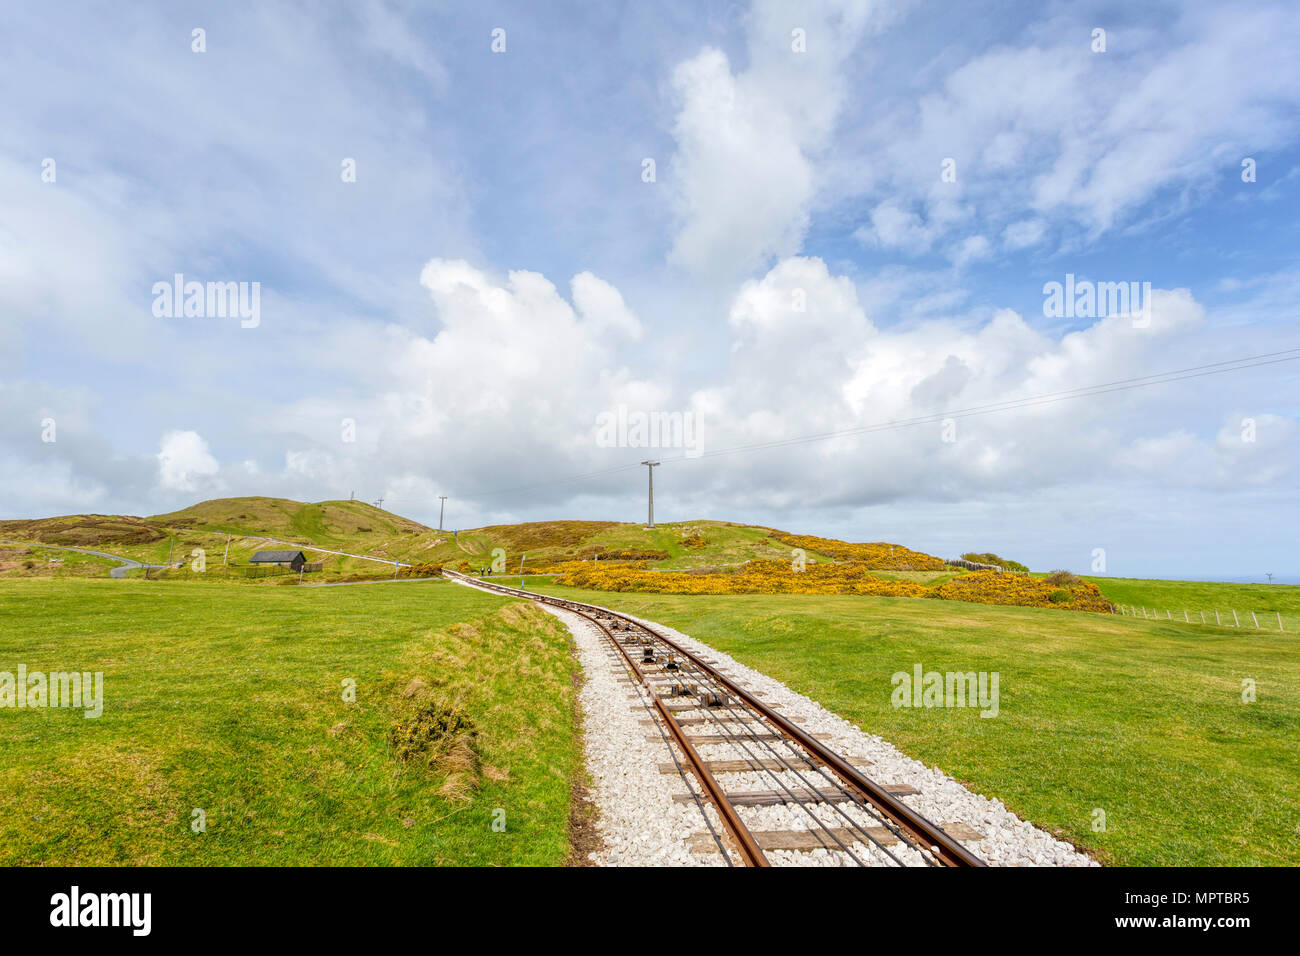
620,554
1063,579
988,557
441,737
997,587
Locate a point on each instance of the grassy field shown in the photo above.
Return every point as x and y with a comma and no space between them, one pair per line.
1142,719
23,561
230,700
1171,599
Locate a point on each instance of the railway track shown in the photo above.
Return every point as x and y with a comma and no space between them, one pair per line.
695,706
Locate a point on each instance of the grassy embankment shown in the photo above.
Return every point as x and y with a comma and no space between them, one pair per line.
230,700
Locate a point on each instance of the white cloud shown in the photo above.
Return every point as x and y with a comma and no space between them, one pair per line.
740,180
744,174
971,249
830,368
894,227
184,462
602,307
1022,234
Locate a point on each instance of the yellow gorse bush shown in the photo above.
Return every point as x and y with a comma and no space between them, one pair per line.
754,577
995,587
775,577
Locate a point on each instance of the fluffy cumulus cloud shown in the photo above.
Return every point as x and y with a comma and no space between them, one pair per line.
504,388
185,463
808,361
745,170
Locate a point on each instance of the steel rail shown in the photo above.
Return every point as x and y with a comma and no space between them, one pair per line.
749,849
804,758
920,830
747,740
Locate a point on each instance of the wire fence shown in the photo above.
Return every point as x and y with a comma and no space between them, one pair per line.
1254,620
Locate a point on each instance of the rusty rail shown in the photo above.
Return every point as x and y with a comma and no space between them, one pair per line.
749,849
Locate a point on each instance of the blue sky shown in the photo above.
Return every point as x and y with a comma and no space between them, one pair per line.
500,273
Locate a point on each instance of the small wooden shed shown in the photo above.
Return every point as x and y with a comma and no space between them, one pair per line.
285,559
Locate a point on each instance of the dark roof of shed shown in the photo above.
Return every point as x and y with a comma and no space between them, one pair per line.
275,556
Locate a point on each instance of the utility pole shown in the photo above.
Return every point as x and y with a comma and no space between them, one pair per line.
651,466
225,558
1270,577
441,507
379,503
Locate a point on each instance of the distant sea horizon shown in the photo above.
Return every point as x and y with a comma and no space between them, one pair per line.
1292,579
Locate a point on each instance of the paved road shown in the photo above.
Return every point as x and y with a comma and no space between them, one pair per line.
127,564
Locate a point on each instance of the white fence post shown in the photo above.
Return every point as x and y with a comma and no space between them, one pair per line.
1235,622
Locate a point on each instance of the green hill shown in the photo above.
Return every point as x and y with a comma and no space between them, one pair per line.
346,525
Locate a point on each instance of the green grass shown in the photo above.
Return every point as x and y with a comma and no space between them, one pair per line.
1144,720
725,543
230,699
25,561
